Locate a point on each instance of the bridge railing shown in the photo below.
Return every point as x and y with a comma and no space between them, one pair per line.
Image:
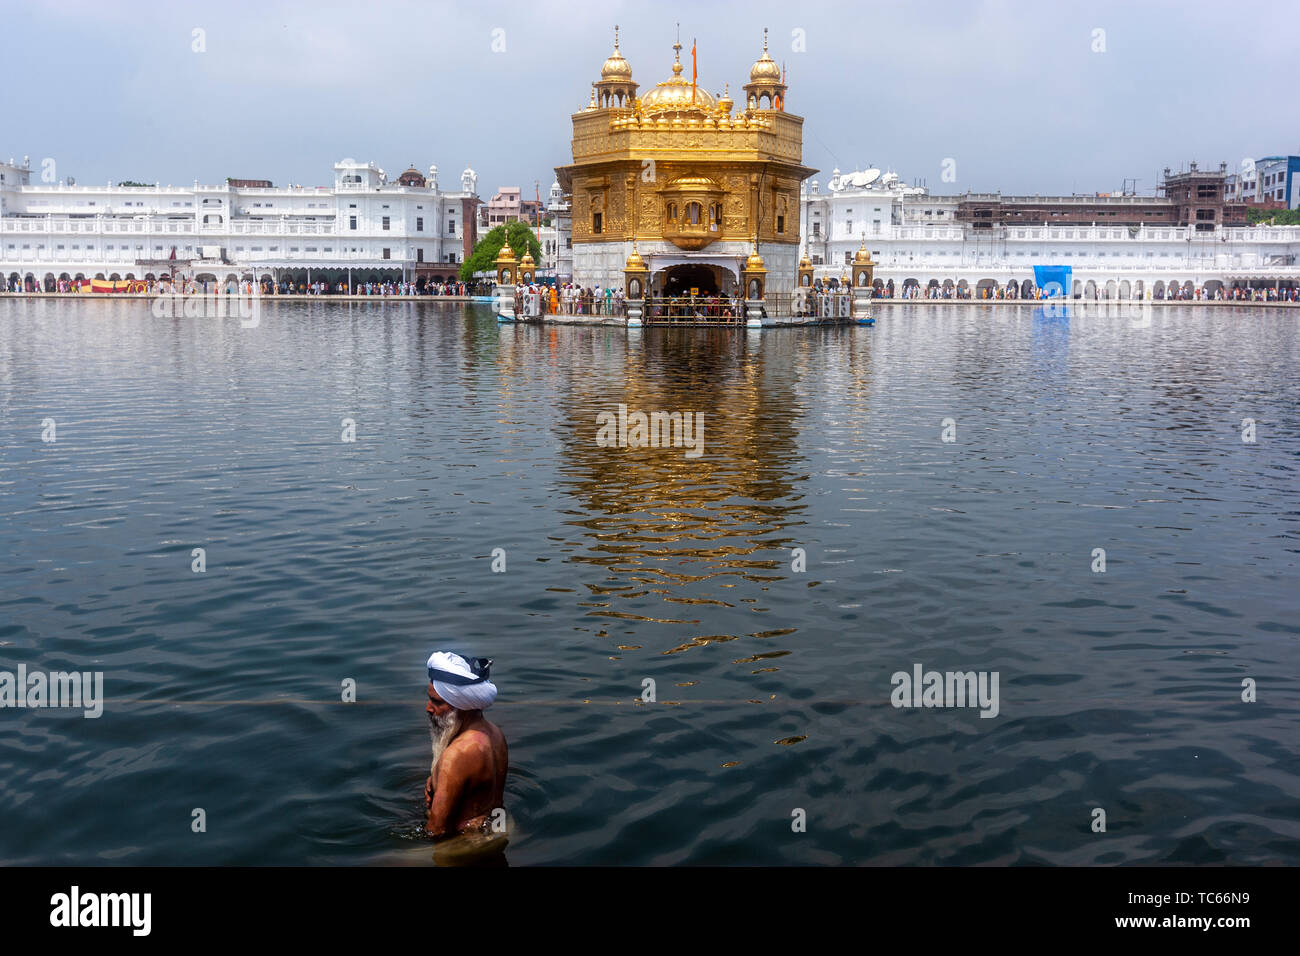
694,308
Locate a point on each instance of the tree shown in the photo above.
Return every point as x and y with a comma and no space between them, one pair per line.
1273,217
484,257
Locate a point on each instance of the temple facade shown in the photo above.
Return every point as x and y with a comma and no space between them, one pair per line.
687,181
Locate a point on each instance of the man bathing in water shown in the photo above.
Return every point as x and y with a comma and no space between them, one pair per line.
467,779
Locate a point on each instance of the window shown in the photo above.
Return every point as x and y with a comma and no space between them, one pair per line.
817,230
595,223
387,254
780,225
419,224
672,212
419,255
385,223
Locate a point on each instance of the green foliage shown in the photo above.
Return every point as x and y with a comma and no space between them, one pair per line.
484,257
138,185
1273,217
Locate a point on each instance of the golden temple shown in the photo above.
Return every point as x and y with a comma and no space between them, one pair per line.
680,179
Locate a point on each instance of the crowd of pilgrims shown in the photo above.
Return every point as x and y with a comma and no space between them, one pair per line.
245,287
1174,293
572,299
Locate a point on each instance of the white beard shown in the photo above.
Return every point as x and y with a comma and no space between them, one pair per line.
442,730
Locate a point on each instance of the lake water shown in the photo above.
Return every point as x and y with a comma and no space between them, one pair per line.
329,560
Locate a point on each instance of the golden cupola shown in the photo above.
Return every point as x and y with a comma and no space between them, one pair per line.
677,95
766,87
615,89
725,102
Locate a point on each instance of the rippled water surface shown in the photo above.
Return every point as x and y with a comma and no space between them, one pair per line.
329,560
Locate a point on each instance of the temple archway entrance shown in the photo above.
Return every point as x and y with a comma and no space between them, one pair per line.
704,279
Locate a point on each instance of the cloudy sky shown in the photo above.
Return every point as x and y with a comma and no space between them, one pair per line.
1026,97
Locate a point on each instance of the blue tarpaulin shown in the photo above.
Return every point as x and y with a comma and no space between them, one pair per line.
1053,280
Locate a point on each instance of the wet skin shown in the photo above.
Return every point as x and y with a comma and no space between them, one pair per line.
471,773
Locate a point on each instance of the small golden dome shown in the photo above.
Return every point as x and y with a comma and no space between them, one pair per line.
725,102
755,262
862,257
765,68
527,261
805,262
685,183
506,254
634,261
616,68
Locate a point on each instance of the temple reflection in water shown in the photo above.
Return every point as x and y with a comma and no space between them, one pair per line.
670,531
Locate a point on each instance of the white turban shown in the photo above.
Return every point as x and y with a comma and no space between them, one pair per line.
460,682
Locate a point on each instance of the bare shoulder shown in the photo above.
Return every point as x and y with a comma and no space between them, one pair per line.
477,745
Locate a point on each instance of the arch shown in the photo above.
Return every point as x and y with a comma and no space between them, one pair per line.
1076,289
1027,289
1158,290
984,288
114,277
1187,288
963,289
1125,289
1111,289
1090,289
1213,287
1139,288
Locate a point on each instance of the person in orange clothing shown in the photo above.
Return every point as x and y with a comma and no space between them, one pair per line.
555,300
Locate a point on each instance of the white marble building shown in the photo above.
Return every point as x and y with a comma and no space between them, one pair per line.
363,223
917,239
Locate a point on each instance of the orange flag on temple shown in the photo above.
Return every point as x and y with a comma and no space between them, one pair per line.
694,71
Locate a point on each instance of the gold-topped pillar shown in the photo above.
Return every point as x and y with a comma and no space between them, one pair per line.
863,277
503,293
753,279
636,284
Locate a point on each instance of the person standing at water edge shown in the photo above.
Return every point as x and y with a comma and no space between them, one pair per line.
467,778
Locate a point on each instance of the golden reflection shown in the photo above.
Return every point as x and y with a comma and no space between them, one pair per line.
672,529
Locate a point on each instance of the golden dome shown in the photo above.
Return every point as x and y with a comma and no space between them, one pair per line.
506,254
616,68
805,262
527,261
685,183
755,262
725,102
862,257
634,261
765,68
673,95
